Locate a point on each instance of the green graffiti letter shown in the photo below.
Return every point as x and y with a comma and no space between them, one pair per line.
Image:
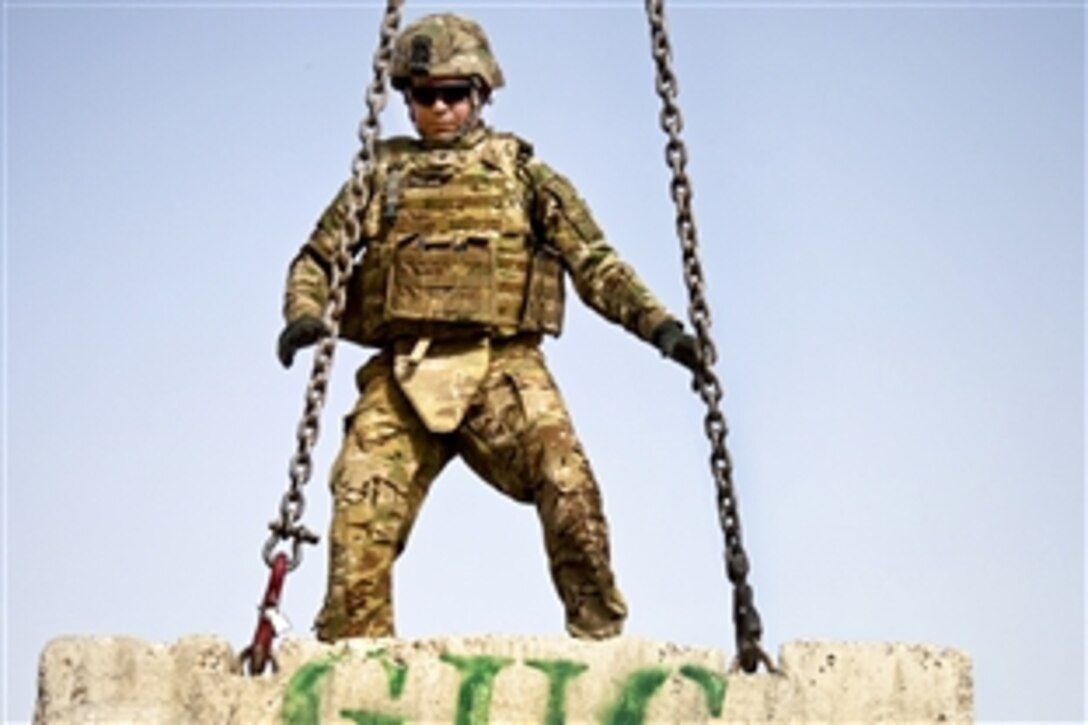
477,684
302,698
395,672
559,673
713,684
366,717
630,707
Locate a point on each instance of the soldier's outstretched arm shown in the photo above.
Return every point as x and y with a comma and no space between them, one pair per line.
603,281
307,286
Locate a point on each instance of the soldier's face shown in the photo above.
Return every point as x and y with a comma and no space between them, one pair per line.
439,107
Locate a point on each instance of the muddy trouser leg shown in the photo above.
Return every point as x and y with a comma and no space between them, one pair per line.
518,436
379,480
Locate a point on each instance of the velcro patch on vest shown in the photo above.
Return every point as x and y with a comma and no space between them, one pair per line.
446,280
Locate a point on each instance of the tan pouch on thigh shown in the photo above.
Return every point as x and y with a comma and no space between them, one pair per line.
440,378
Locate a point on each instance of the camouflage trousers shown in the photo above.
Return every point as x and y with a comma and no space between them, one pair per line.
517,435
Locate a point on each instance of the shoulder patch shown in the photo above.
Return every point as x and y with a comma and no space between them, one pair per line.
537,172
571,206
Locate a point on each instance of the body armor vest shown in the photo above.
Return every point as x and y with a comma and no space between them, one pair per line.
451,249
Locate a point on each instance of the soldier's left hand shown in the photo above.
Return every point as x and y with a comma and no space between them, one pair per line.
684,352
676,344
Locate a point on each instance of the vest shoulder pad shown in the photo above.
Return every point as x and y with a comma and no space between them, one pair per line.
505,151
522,149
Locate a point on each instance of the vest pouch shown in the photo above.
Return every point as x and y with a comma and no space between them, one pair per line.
442,279
544,294
364,310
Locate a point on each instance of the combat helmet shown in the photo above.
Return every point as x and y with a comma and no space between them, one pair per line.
444,44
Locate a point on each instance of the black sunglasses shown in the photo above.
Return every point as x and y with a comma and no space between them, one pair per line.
428,95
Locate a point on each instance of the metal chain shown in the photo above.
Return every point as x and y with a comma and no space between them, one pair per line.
288,526
255,658
746,619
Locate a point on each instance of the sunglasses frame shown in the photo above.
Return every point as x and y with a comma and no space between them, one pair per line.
450,95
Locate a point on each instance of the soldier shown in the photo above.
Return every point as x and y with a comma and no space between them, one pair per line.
467,240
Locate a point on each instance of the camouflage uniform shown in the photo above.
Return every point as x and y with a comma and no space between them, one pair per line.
467,244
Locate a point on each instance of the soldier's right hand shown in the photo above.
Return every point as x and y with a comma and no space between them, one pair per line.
300,333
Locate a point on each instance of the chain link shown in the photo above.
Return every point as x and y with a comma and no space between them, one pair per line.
746,619
293,504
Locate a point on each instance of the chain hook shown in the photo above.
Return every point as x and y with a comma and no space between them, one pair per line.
255,658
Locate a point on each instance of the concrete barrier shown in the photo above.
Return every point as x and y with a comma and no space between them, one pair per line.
470,680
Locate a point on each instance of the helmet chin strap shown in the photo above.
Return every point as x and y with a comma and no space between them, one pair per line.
472,120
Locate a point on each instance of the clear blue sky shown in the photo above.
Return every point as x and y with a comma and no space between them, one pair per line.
890,199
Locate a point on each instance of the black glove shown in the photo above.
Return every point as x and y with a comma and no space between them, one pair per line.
303,332
673,342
